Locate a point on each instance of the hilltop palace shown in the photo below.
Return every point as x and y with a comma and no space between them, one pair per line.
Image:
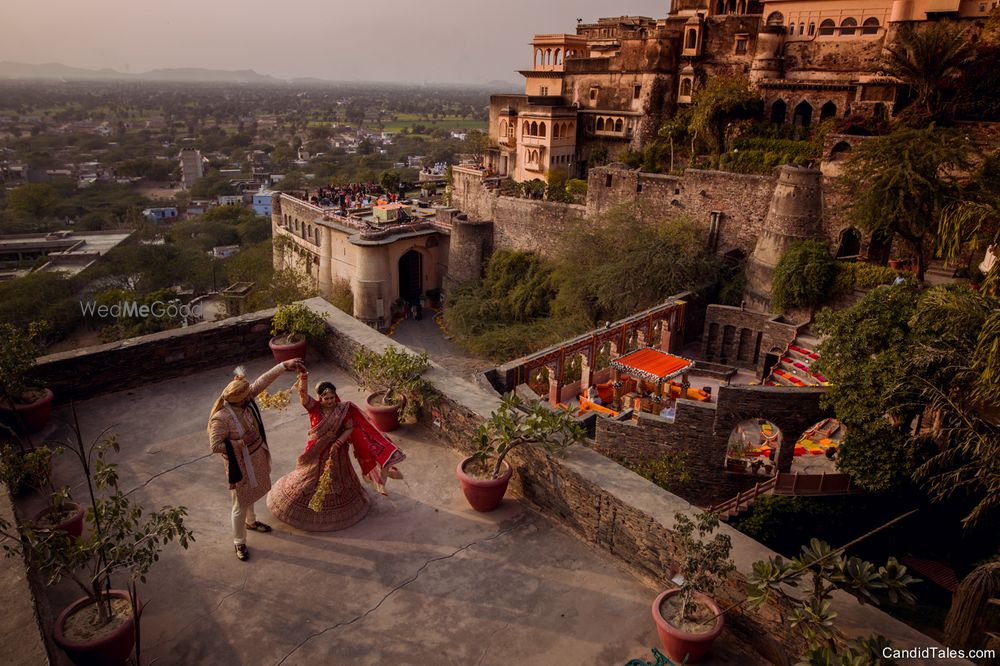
609,87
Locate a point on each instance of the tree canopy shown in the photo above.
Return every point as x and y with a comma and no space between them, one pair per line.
904,180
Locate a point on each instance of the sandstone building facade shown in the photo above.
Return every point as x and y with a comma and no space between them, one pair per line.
590,95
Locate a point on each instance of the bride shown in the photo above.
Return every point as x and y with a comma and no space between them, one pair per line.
323,492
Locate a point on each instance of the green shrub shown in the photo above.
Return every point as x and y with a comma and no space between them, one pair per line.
804,275
868,276
844,280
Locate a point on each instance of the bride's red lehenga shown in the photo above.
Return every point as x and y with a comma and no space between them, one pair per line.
293,499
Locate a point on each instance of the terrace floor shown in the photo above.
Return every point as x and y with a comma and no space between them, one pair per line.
422,579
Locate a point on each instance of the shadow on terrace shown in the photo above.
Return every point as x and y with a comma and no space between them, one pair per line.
564,572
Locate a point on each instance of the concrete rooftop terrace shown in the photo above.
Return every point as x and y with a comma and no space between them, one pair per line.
563,573
423,579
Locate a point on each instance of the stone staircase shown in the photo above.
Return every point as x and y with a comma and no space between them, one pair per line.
795,368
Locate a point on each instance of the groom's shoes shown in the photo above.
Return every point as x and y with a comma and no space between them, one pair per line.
259,527
242,554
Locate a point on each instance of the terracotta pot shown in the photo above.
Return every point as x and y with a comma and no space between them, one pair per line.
483,494
34,415
385,417
111,648
72,523
682,646
287,352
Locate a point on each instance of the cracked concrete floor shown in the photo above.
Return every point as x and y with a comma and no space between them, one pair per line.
422,579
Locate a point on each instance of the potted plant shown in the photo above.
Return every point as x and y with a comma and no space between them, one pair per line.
24,404
122,544
485,474
686,618
291,327
32,469
396,385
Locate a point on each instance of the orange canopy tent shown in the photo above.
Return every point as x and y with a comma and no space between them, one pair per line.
652,365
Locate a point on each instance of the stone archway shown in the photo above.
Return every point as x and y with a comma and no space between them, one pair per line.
411,273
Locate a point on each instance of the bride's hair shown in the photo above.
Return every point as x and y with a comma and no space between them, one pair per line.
325,386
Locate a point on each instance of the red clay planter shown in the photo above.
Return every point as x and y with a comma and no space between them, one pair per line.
682,646
483,494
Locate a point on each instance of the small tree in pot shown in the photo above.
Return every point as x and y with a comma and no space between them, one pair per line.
395,379
24,404
121,541
32,470
485,474
687,619
291,327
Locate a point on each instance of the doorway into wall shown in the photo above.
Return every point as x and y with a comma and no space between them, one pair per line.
411,277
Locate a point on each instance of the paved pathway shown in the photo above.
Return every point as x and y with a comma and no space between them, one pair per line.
426,335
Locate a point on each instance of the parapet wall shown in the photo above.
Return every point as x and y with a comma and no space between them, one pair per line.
84,373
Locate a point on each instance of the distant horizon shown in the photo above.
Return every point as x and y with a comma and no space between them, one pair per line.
381,41
144,76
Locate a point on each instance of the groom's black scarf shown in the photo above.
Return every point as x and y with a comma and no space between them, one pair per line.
235,475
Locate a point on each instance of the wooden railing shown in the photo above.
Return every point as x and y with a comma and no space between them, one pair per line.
742,501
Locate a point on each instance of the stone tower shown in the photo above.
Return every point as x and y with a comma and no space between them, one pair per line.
470,246
795,213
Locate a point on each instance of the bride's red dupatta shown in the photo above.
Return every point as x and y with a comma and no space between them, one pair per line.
374,450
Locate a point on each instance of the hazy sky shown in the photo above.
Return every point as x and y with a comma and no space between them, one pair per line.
462,41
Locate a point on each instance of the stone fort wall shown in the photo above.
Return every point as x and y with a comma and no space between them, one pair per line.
731,206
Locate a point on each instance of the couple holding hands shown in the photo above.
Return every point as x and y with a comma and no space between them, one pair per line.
323,492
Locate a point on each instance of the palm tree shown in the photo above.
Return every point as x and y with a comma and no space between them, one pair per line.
928,60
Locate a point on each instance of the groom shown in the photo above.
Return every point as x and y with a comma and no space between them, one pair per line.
236,431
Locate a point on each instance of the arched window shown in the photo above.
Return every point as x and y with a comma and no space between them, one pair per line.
692,39
826,27
555,130
685,87
558,56
548,56
812,29
802,28
317,236
870,26
537,53
618,125
778,112
828,110
534,129
803,114
503,128
791,29
775,18
600,124
847,27
525,129
541,129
